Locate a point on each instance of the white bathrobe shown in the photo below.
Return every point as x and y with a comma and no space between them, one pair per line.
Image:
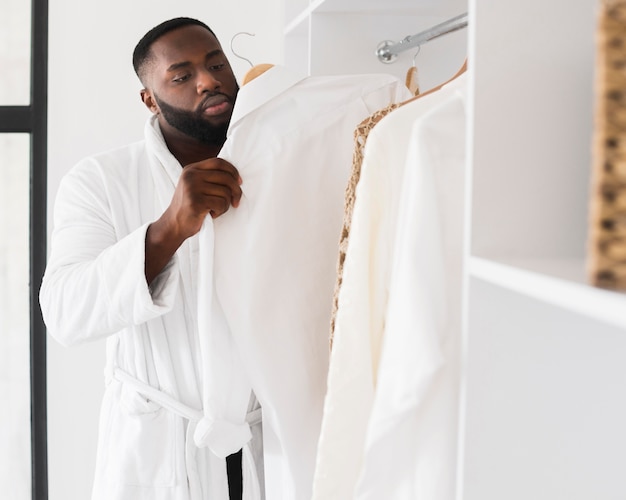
95,287
162,384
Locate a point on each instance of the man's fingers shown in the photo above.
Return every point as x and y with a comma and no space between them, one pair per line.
211,181
219,179
218,205
211,186
221,165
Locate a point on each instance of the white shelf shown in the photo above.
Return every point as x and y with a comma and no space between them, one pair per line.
427,8
560,282
298,23
295,10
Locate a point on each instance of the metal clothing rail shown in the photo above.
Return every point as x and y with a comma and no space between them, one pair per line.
388,51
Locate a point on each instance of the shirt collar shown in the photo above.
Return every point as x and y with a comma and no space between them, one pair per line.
262,89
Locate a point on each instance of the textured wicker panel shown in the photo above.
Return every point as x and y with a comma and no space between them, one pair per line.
607,235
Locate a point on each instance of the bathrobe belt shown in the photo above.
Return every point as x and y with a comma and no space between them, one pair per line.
195,418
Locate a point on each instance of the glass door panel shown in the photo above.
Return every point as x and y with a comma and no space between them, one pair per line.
15,437
15,45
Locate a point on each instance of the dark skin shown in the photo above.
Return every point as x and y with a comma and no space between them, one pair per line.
188,64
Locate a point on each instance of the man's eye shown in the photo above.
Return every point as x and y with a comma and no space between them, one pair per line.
217,67
180,79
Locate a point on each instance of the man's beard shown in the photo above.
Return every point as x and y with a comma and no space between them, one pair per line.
194,124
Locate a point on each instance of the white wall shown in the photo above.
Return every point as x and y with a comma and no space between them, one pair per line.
94,105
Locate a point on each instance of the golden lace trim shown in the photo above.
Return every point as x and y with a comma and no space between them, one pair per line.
360,137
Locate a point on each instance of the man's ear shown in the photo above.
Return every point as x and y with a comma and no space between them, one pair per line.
149,100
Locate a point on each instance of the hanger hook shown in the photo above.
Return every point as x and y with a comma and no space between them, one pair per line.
419,47
233,50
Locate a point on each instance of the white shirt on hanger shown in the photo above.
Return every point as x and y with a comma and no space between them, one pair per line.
411,441
275,255
363,300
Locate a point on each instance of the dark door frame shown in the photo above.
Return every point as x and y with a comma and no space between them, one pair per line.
33,119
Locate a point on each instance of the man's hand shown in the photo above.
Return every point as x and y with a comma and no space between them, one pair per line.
208,187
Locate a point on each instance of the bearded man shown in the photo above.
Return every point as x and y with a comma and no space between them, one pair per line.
124,232
209,297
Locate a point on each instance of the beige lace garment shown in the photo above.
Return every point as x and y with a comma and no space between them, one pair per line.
360,137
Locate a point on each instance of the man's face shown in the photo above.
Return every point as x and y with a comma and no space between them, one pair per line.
193,84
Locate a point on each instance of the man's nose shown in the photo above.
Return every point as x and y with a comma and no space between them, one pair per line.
206,81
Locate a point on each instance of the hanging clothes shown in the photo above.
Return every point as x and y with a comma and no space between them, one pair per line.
363,299
274,256
360,139
411,440
273,259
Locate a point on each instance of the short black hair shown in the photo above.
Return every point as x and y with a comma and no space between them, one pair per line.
142,54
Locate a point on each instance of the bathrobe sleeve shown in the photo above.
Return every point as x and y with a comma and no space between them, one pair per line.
94,284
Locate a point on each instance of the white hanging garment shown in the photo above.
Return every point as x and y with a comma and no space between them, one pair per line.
411,441
363,298
275,254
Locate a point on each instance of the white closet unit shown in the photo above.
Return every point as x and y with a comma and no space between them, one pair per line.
544,399
545,375
341,36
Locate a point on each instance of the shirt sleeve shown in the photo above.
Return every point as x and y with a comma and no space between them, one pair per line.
94,284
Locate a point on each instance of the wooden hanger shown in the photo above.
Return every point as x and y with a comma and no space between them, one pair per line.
411,81
461,70
411,76
255,71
